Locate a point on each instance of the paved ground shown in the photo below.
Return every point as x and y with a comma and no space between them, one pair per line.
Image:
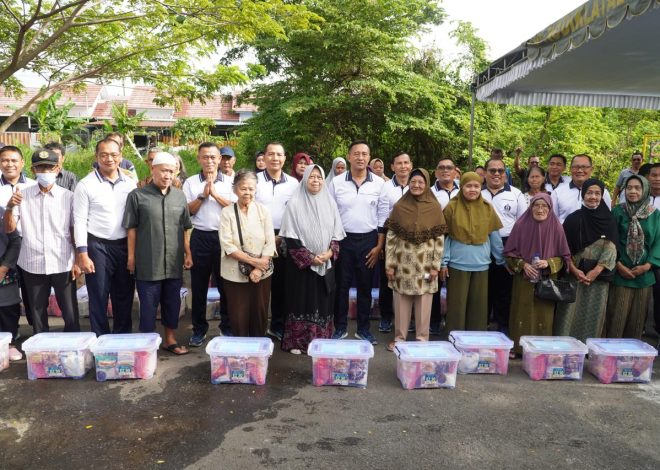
179,419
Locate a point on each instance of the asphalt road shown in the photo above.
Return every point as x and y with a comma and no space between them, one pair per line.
179,419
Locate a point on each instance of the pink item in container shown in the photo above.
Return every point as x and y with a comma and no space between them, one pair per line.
620,360
553,357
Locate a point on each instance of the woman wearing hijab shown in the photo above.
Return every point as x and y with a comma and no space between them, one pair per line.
415,239
377,166
592,236
536,247
639,251
472,228
300,162
338,167
311,228
259,162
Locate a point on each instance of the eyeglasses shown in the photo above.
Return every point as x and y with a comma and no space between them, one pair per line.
445,168
580,167
496,171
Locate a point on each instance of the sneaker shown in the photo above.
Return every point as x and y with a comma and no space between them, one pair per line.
196,340
435,329
385,326
367,336
339,334
225,332
274,334
15,354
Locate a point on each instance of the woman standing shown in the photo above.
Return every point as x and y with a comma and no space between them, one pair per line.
246,238
338,168
639,251
300,162
472,227
415,238
377,166
535,183
536,247
592,237
311,228
259,162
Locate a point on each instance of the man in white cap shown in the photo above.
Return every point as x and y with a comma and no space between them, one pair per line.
157,219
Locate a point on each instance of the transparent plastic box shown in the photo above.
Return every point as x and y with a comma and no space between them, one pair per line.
239,360
5,339
620,360
59,355
426,364
340,362
482,352
553,357
126,356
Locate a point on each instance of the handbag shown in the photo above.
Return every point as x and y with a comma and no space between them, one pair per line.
585,265
246,268
555,290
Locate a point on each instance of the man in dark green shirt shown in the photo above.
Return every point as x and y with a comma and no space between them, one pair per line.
157,220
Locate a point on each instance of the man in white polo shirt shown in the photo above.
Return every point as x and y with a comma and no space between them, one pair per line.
207,193
509,203
567,198
101,244
274,189
445,187
554,176
390,195
357,192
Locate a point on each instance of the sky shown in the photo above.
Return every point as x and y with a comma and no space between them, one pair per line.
503,24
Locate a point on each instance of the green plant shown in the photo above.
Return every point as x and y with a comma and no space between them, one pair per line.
54,121
193,130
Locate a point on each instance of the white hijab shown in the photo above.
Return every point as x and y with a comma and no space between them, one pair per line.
333,171
313,219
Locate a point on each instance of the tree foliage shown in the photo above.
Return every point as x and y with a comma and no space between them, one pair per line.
161,43
193,130
54,122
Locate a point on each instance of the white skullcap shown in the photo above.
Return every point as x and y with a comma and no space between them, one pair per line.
164,158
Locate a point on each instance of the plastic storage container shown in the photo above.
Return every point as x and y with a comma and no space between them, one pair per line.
620,360
482,352
59,355
553,357
5,339
239,360
340,362
126,356
423,364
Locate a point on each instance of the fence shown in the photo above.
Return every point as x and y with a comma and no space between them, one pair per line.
16,138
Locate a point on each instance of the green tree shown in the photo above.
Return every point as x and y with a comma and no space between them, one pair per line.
193,130
54,121
351,78
172,45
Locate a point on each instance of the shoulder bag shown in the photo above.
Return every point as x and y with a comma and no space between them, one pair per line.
246,268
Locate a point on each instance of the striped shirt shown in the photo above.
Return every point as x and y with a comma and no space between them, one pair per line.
46,218
66,179
98,207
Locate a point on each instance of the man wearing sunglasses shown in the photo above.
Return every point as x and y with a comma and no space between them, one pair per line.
635,163
509,203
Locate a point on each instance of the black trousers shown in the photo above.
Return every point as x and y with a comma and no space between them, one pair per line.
111,277
500,283
37,289
205,248
278,295
9,317
656,300
385,295
353,251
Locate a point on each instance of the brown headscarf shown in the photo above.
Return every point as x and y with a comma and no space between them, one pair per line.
417,219
471,222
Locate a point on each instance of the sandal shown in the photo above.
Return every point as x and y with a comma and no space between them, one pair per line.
295,351
15,354
390,346
512,355
176,349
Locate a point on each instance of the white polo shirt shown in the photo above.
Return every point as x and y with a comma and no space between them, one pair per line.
443,195
7,189
655,201
98,207
567,198
207,216
358,206
275,194
548,185
390,194
509,203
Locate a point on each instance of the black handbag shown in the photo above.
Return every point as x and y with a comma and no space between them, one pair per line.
585,265
556,290
246,268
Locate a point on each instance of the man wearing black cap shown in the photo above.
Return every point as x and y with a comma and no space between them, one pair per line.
47,255
227,161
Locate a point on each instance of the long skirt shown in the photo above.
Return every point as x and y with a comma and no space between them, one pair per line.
529,315
585,318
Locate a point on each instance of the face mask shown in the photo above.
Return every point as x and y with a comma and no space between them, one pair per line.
46,179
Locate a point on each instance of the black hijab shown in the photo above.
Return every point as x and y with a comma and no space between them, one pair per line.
585,226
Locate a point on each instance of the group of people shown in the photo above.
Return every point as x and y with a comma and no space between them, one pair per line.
294,244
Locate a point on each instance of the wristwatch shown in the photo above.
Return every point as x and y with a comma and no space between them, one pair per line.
201,196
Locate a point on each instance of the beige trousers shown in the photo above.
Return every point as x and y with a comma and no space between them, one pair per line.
403,305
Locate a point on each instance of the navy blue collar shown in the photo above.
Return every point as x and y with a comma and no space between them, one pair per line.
573,186
102,178
506,187
440,188
267,177
349,176
21,179
219,177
